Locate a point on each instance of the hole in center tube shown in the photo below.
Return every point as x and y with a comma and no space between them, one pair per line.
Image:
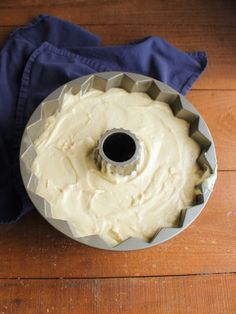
119,147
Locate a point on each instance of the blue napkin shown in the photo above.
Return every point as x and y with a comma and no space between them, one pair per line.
40,57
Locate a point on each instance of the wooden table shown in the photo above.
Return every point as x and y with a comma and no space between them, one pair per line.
42,271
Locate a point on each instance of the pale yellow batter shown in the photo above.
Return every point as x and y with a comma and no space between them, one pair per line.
113,206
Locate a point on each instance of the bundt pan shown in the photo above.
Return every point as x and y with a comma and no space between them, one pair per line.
131,82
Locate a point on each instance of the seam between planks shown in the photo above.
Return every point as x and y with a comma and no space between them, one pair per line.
118,277
62,5
130,24
226,170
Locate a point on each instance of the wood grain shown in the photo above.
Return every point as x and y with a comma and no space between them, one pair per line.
137,12
31,248
175,295
218,108
218,42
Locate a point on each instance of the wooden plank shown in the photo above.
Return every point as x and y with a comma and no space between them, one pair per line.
219,111
123,12
31,248
175,295
218,42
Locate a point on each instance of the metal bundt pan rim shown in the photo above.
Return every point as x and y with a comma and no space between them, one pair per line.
131,82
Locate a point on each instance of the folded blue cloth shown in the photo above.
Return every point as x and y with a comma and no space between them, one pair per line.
40,57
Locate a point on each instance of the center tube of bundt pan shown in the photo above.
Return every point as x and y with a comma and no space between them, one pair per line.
118,151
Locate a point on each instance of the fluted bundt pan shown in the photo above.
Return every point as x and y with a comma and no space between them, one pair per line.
131,82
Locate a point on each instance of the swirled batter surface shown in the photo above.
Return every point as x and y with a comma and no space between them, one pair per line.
113,206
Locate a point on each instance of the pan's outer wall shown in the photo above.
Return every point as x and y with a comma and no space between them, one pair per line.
131,82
